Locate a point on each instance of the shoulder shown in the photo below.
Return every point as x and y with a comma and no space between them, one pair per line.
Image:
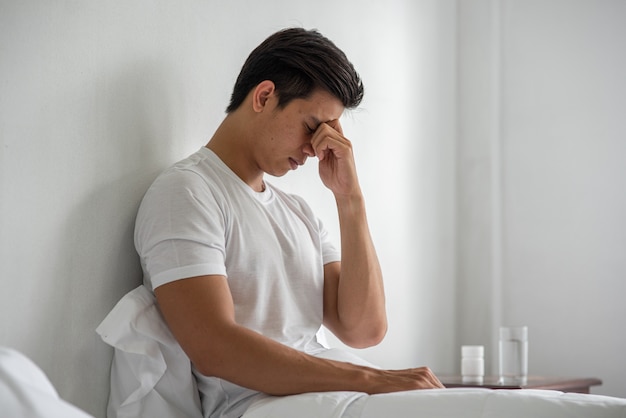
191,186
195,174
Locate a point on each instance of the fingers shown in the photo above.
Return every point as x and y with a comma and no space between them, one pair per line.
336,125
432,379
426,379
336,160
408,379
329,138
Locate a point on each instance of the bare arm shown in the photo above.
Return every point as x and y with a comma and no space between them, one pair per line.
354,297
200,313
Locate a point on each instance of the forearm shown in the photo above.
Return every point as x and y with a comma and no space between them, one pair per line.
248,359
360,293
256,362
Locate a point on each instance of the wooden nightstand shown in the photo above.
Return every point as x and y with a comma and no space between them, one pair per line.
564,384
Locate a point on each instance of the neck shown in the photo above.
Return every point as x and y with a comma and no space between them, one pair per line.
231,144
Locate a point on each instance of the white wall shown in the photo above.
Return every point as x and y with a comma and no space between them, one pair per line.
564,195
541,182
97,97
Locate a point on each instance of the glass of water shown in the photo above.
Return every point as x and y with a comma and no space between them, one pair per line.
513,355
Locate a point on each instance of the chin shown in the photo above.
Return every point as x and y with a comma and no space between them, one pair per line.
277,173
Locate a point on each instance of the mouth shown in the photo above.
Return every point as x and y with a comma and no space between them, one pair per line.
295,163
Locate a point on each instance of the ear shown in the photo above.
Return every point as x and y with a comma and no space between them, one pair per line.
261,95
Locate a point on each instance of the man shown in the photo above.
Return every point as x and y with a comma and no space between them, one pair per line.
243,272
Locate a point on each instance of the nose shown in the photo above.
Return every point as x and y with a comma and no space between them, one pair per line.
308,150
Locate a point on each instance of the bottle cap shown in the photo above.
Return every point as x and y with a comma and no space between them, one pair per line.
472,351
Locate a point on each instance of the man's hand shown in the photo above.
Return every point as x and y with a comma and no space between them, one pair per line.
409,379
336,160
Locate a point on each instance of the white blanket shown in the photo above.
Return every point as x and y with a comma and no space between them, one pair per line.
441,403
25,390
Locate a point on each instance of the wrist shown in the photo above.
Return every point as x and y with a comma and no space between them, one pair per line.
350,202
370,380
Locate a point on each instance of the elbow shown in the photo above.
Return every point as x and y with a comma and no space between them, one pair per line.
369,337
374,337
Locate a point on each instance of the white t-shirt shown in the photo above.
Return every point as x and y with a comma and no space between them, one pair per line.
199,218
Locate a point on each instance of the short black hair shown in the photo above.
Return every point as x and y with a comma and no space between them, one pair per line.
299,61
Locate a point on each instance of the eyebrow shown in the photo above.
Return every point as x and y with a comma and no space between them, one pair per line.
316,121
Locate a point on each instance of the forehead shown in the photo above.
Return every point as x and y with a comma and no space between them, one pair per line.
319,107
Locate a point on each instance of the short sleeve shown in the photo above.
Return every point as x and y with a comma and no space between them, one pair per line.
180,229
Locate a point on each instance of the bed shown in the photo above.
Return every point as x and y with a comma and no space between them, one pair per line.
147,336
155,380
26,392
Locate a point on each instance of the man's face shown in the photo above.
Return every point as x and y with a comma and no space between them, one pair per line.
285,137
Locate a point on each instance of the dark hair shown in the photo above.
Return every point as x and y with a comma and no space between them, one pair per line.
298,61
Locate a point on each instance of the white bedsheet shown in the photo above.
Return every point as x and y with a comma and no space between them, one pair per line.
436,403
441,403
